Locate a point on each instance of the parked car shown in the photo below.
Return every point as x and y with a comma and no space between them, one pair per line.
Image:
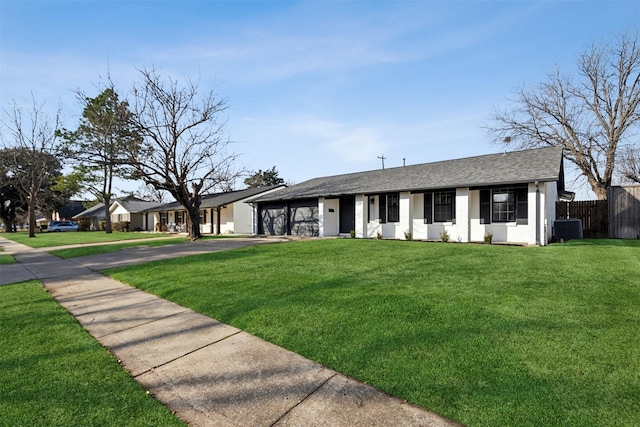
63,226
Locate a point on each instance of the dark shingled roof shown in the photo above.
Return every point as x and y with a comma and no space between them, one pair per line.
71,209
217,200
130,203
135,205
515,167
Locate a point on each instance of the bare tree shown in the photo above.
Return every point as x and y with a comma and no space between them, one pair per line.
593,116
184,147
630,165
150,193
30,154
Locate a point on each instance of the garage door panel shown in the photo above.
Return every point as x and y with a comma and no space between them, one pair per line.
272,220
304,218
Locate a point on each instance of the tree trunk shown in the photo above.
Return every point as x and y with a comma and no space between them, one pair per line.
194,223
107,215
32,216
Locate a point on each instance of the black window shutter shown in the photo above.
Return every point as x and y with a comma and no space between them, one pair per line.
428,208
383,208
522,205
485,206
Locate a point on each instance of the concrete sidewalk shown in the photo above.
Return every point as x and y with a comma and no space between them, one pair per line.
209,373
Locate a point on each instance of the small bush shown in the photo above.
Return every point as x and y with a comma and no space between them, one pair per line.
121,226
444,236
353,234
379,235
488,238
84,224
408,235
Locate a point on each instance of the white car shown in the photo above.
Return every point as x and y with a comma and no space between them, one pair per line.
63,226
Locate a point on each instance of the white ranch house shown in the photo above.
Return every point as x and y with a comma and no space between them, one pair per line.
220,213
511,195
126,209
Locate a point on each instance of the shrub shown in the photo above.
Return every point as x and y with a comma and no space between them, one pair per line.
444,236
379,235
488,238
84,224
353,234
121,226
408,235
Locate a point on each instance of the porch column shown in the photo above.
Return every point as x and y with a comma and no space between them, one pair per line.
361,216
462,215
405,216
320,216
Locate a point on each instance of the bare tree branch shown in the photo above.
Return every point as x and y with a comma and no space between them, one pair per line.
184,150
592,116
30,153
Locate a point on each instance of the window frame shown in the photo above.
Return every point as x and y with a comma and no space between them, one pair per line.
393,207
515,208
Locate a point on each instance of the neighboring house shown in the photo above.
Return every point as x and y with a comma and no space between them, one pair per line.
134,211
220,213
94,215
69,210
511,195
130,209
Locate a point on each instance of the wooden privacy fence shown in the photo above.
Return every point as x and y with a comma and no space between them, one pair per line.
618,217
624,212
593,214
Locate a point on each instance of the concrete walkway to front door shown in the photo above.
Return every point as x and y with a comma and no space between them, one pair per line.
206,372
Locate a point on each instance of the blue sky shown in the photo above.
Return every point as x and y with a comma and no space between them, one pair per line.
315,88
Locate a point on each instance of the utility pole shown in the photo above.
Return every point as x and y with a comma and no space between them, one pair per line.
382,158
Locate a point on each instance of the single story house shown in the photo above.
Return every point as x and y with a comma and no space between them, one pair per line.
132,210
94,215
69,210
220,213
511,195
125,209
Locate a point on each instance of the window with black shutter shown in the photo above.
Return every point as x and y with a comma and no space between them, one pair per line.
485,206
428,208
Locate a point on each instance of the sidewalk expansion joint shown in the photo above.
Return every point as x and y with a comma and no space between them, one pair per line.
145,323
187,353
311,393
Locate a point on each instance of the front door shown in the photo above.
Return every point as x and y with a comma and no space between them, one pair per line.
347,214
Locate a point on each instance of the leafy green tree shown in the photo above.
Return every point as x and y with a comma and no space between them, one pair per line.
264,179
11,204
99,146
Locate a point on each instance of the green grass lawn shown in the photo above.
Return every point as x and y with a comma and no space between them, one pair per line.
54,374
6,259
102,249
46,239
485,335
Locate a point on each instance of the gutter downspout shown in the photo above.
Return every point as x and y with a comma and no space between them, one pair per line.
537,213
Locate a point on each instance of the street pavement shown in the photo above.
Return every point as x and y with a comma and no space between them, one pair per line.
206,372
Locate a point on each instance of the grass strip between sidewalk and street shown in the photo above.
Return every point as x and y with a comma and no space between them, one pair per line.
103,249
6,258
44,239
55,374
482,334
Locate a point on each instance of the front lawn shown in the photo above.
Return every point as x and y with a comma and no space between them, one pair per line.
55,374
485,335
47,239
